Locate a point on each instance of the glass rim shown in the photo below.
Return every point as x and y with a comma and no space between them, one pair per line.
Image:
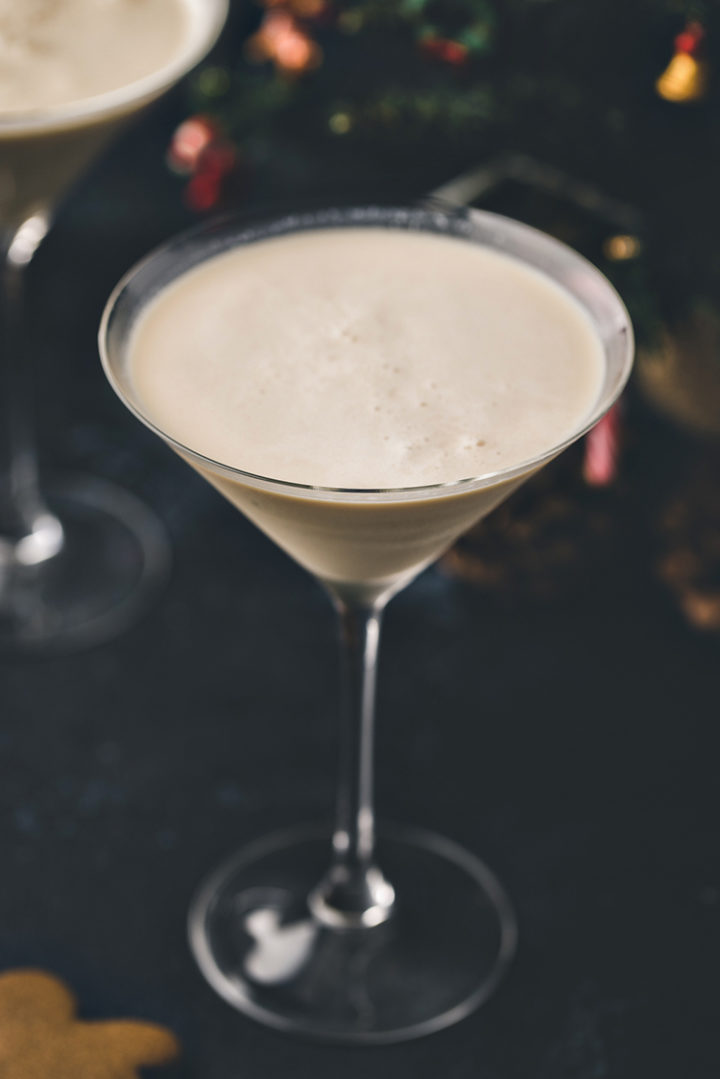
98,106
237,225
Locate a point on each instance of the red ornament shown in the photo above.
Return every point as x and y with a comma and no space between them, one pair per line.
205,189
190,141
445,50
602,450
218,159
203,192
690,40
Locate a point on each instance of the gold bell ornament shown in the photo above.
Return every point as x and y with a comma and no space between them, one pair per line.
685,78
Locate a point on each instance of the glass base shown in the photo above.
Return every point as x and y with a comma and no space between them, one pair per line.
111,557
443,951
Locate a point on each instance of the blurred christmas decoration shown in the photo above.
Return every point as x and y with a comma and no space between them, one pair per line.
401,94
685,78
602,450
453,42
190,141
283,39
576,134
199,150
442,48
466,67
621,248
680,375
689,560
281,73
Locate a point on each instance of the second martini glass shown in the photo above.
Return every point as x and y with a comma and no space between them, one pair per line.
368,938
77,558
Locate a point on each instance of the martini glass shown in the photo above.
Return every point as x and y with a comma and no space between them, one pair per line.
79,557
360,937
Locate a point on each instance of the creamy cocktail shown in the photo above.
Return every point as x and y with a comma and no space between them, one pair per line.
72,72
364,384
366,359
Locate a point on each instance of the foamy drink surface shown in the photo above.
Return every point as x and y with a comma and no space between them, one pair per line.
60,52
366,358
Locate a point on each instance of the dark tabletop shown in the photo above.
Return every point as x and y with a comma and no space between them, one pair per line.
569,738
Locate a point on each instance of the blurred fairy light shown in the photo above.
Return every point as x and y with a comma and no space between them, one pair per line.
340,123
190,141
622,248
284,41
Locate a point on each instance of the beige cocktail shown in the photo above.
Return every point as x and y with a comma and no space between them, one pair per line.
366,359
364,385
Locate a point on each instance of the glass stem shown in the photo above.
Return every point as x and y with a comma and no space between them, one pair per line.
354,892
29,533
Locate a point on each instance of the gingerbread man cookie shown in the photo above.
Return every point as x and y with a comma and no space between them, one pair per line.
41,1036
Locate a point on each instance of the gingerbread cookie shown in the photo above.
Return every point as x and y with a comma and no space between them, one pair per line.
41,1036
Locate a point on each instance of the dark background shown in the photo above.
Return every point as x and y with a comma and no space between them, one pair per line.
567,733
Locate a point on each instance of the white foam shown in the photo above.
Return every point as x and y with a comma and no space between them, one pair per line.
54,52
366,358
